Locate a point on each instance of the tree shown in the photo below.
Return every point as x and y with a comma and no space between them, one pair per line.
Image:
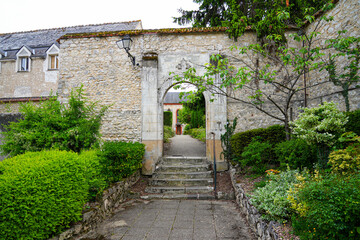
267,81
193,110
265,17
50,125
349,48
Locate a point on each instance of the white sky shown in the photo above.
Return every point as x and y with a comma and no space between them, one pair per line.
24,15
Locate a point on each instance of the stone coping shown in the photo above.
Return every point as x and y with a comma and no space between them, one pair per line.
262,228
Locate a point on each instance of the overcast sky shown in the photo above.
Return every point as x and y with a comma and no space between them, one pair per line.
24,15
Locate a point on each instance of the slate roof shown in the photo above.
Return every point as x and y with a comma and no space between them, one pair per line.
43,39
173,97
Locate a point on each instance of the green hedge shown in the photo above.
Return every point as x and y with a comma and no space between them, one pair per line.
43,192
121,159
167,118
296,153
198,133
273,134
353,125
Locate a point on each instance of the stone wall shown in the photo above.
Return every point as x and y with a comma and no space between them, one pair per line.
346,17
36,83
108,78
263,229
111,199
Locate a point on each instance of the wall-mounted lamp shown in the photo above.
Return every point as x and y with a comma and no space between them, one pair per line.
219,126
125,43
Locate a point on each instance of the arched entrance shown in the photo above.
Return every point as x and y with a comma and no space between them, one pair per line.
155,84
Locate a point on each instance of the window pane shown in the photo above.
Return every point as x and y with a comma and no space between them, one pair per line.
24,64
52,62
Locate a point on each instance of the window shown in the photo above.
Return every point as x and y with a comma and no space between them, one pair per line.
53,57
53,61
23,61
23,64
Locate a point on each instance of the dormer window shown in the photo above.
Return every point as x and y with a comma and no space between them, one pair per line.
53,57
53,62
24,64
23,61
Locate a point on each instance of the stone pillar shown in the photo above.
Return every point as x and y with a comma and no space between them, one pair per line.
151,134
215,121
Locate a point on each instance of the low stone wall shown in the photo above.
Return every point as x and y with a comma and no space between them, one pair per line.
263,229
112,198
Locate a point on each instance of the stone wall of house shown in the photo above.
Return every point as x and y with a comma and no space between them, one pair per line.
35,83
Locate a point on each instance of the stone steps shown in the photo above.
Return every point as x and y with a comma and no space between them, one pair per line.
177,189
181,182
181,178
182,175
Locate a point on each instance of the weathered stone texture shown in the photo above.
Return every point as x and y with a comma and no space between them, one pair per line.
346,17
108,77
35,83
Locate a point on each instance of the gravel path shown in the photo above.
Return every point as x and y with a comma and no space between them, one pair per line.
184,145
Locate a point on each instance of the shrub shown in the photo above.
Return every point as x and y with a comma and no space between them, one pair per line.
271,199
167,118
42,193
120,159
50,124
332,209
198,133
273,134
296,153
353,125
320,125
93,173
257,155
168,133
346,161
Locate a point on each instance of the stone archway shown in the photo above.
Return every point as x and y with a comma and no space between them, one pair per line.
156,82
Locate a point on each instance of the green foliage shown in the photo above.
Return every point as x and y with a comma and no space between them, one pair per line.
42,193
273,134
193,111
265,17
93,173
198,133
332,209
120,159
167,118
51,125
168,133
272,200
353,125
296,153
226,137
346,161
257,155
322,124
349,48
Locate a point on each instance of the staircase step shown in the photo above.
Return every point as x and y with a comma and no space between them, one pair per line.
199,196
182,175
183,160
181,182
183,168
178,190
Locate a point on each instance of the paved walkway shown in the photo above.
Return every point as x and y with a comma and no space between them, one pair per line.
173,219
184,145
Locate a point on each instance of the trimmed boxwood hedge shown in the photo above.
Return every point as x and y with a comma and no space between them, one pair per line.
273,134
41,193
168,118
